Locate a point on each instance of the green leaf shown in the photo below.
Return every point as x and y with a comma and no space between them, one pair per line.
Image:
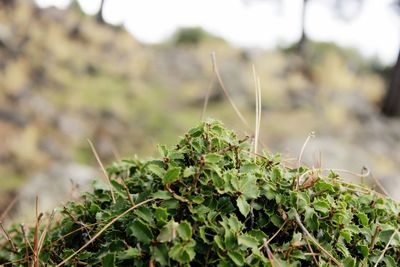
389,261
130,253
189,171
248,241
171,175
363,249
165,195
321,206
185,230
236,257
141,231
213,158
109,260
160,254
162,149
363,218
243,206
346,235
157,170
276,220
349,262
183,253
168,232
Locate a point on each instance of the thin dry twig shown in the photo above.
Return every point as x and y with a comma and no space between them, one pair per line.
218,76
207,97
44,233
36,235
27,243
7,236
297,181
105,228
385,249
308,234
9,207
257,85
378,183
103,169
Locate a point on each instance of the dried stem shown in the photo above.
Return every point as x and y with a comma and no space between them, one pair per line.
7,236
103,169
103,229
307,233
385,249
217,74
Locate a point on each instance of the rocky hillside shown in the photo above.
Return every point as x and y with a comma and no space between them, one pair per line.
65,78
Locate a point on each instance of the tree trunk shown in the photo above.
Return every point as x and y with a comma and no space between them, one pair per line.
99,17
391,102
300,47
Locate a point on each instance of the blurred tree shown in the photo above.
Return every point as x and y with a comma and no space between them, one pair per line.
391,102
390,106
99,16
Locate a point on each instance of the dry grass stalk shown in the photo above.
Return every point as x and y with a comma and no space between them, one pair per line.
102,169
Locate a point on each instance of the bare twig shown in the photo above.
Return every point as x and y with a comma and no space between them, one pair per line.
9,207
44,233
7,236
103,229
103,169
257,85
385,249
218,76
307,233
297,180
36,235
378,183
207,97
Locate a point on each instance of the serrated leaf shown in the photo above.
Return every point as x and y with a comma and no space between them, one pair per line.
248,241
389,261
363,250
184,230
363,218
349,262
109,260
165,195
130,253
213,158
160,254
162,149
189,171
157,170
141,231
236,257
168,232
276,220
321,206
171,175
243,206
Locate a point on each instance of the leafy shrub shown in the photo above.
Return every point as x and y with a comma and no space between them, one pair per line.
209,202
192,36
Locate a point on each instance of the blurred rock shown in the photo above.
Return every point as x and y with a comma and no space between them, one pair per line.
62,181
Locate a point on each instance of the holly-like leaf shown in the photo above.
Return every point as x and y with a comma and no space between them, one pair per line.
243,206
184,230
141,231
109,260
171,175
168,232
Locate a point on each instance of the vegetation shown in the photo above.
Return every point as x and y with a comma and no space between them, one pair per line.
211,201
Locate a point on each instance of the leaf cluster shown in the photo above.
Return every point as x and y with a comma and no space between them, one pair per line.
216,204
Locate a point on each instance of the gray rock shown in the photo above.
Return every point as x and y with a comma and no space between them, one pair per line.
61,182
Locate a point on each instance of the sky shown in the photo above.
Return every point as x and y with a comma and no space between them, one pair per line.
374,30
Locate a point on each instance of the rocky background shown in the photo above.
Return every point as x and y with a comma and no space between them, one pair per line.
66,78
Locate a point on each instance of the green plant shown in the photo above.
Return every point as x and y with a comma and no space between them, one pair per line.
210,201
